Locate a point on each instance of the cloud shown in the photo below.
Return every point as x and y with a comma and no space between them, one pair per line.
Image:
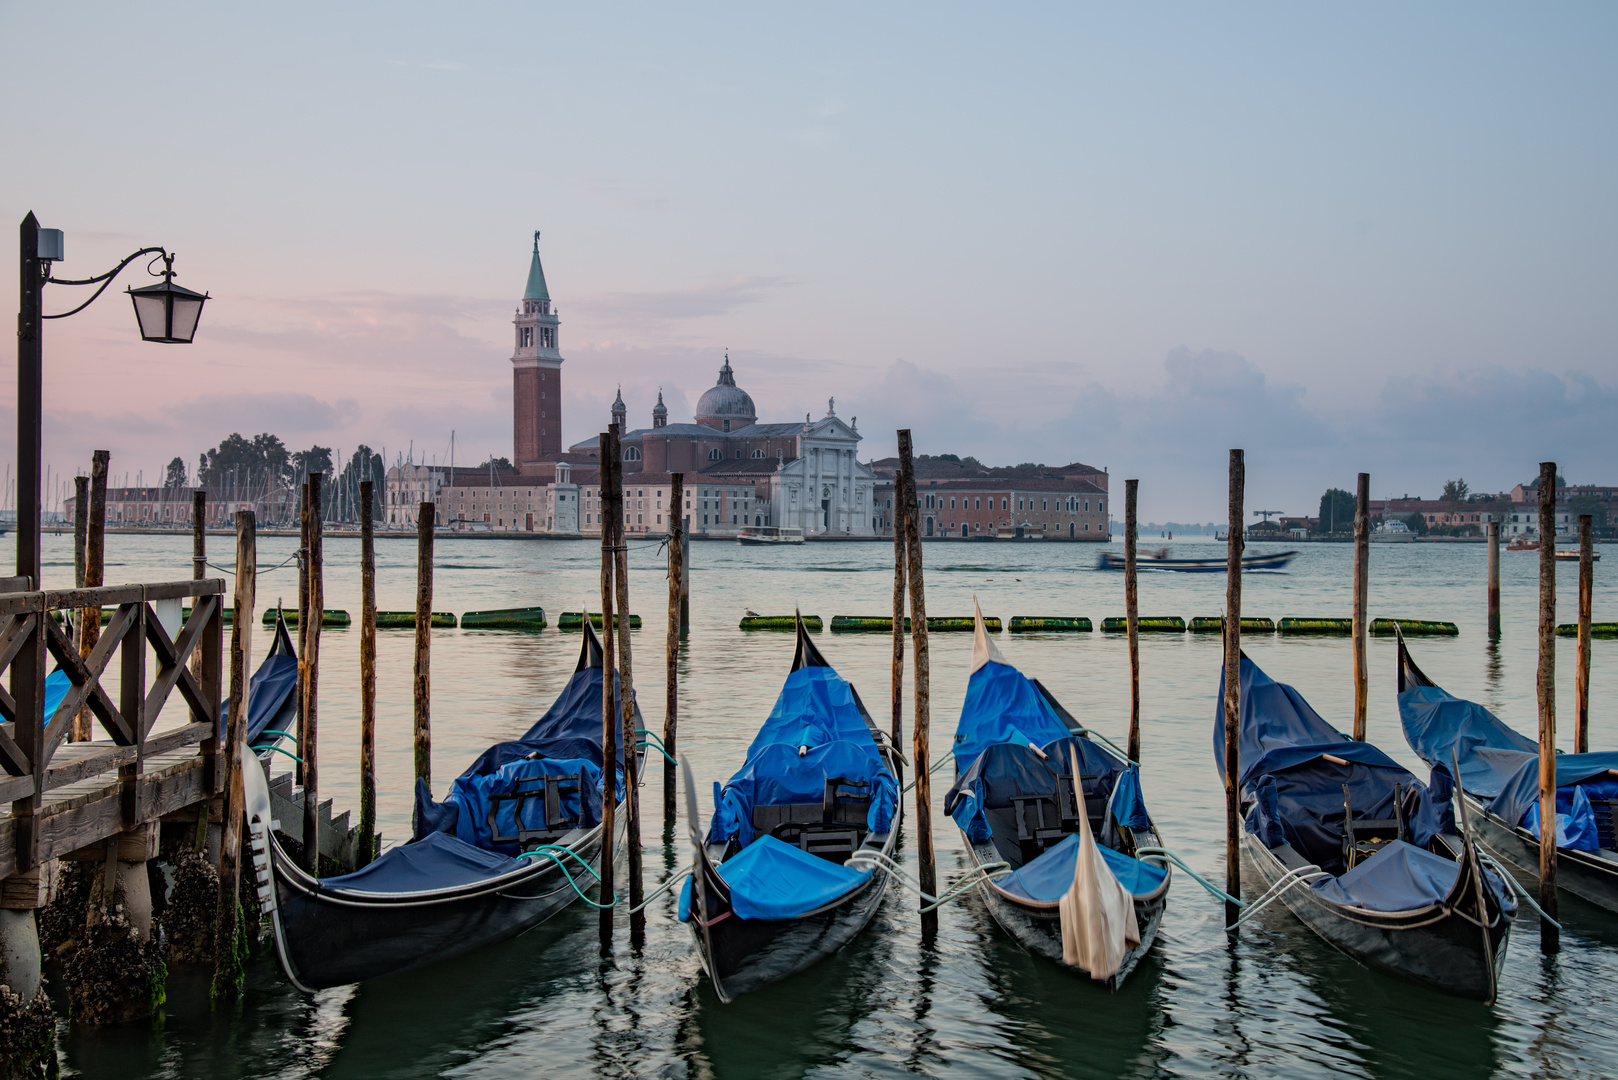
659,310
280,412
622,194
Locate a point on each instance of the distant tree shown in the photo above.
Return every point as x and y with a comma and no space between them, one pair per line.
498,464
242,463
1417,524
971,462
1455,493
363,464
315,459
175,476
1337,508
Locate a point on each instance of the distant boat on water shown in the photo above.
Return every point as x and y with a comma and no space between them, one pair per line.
1162,560
1393,532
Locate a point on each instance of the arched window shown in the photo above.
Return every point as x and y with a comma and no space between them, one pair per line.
631,453
758,453
715,454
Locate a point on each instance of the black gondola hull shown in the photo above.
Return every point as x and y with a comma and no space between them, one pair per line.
1039,929
1585,874
743,955
1442,949
331,938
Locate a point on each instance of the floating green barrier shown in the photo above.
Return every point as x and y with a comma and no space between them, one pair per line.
1215,624
1414,628
1597,629
574,620
406,620
521,618
229,612
883,624
1291,625
1023,624
780,622
329,617
1160,624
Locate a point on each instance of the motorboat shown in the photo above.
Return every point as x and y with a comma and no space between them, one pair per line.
769,534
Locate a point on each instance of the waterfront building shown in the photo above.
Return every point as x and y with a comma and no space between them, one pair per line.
967,500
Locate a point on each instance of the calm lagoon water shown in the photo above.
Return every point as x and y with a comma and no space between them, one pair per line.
1273,1001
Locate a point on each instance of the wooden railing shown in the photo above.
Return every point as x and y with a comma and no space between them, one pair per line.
30,636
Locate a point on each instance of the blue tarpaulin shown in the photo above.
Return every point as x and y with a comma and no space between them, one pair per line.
1442,728
475,796
1576,827
1274,716
1590,770
1049,876
1400,877
816,706
437,861
769,879
1002,706
777,775
275,678
1005,771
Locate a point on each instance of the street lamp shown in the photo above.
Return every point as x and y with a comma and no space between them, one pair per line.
165,312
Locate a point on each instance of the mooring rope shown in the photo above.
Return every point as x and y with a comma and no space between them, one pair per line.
1301,876
669,883
1168,856
550,852
964,884
655,743
1517,886
945,760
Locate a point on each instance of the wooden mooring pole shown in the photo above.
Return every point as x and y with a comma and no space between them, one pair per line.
626,702
1362,580
901,558
367,837
610,723
1549,936
424,643
1581,730
1233,686
1132,616
302,635
95,562
228,949
685,573
671,701
81,525
199,563
1494,579
308,749
926,871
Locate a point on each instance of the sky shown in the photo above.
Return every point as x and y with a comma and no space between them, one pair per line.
1379,238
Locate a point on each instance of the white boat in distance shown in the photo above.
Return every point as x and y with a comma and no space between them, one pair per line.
1392,532
769,534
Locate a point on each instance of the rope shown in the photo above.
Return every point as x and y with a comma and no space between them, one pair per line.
1170,857
941,763
550,852
1517,886
673,880
1089,733
1302,875
283,734
964,884
278,750
660,750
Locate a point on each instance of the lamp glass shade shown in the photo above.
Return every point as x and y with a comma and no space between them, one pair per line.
167,312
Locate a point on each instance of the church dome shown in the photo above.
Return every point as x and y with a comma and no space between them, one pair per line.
725,405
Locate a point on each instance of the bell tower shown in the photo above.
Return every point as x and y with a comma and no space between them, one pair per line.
536,373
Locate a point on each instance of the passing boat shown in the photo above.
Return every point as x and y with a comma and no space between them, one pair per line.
1572,555
1500,774
754,535
1161,559
1362,852
512,844
1393,532
1036,794
1025,531
795,860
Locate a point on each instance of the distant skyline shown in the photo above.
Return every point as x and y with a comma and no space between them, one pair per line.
1375,239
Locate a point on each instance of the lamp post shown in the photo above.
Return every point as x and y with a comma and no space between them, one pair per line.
165,312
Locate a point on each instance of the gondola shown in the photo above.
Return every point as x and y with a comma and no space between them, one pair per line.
272,703
1016,803
795,860
1500,777
499,855
1362,852
1160,560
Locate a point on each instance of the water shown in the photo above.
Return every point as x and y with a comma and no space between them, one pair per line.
1277,1001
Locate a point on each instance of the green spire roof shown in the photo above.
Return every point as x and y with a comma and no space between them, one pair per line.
536,277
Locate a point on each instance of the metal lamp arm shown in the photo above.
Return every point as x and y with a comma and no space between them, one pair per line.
105,279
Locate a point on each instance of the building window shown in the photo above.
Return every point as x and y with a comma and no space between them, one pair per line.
758,453
714,455
631,453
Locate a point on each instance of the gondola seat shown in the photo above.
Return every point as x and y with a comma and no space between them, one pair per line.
509,810
1026,802
822,793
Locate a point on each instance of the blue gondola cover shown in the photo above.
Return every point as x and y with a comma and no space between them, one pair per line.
769,879
1003,706
1400,877
1047,878
1441,728
438,861
776,774
275,678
